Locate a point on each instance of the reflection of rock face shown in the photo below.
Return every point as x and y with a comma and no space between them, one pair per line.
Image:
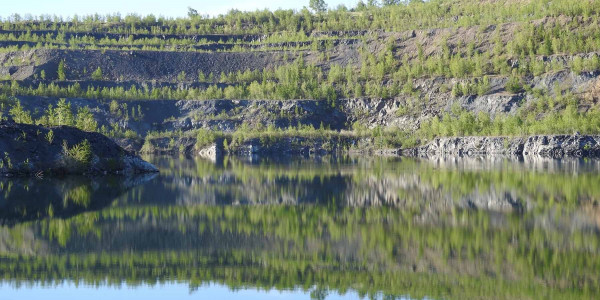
447,218
436,184
500,162
211,152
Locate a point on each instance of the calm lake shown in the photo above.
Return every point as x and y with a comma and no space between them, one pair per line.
307,228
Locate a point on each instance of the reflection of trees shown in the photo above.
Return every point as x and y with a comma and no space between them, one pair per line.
23,199
401,227
407,183
461,254
79,195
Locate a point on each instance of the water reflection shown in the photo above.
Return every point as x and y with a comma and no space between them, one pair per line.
384,228
432,185
23,199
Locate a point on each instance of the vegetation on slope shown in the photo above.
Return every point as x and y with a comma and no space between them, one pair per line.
478,48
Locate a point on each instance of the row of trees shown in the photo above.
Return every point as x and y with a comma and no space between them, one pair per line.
550,37
59,115
392,15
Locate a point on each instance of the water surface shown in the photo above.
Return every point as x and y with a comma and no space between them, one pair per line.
308,228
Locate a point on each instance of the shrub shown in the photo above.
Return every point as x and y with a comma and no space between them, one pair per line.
85,120
148,147
97,75
81,153
50,137
205,137
514,85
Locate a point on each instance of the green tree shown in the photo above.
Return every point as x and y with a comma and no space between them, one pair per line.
64,115
181,76
97,75
81,153
192,13
318,6
85,120
19,114
61,71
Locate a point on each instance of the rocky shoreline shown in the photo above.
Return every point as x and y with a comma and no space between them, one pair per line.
545,146
549,146
32,150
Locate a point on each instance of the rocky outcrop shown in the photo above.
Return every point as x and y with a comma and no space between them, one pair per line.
36,150
551,146
211,152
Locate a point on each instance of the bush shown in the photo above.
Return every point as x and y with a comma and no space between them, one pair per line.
205,137
514,85
97,75
148,147
81,153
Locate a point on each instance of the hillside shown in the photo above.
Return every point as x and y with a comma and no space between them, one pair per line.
384,77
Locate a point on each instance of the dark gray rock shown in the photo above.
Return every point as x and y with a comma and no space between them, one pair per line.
36,150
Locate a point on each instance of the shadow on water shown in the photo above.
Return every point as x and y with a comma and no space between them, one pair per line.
383,227
24,199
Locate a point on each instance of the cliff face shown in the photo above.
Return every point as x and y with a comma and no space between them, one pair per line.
31,149
549,146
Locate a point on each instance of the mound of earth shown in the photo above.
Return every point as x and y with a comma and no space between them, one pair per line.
36,150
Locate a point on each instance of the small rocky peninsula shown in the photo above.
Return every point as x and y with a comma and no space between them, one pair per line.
27,150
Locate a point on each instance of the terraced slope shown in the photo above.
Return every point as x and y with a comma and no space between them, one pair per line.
396,76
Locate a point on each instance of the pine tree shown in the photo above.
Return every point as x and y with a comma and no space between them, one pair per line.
61,71
85,120
64,115
97,75
19,114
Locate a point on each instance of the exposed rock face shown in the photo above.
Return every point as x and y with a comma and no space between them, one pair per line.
31,149
554,146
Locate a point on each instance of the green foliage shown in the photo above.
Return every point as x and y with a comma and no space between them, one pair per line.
97,75
317,6
50,137
147,147
464,123
181,76
19,114
85,120
514,85
205,137
62,115
61,71
80,153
